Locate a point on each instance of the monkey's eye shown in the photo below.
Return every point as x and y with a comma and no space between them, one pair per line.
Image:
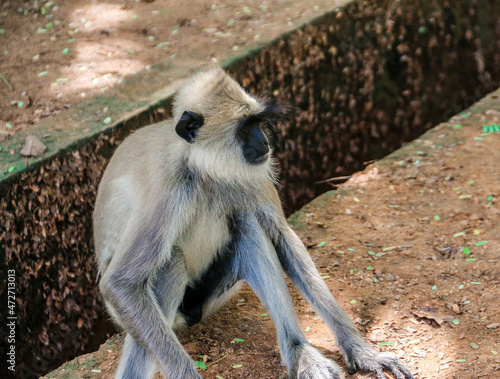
246,128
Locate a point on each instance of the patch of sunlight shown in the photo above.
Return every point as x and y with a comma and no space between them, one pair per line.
99,63
101,15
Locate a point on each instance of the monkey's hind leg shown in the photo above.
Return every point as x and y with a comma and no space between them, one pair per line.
135,362
260,266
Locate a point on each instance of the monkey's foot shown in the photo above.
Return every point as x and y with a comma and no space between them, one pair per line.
367,359
310,364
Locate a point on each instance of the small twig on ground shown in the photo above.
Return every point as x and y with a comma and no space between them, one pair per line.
337,179
5,81
218,360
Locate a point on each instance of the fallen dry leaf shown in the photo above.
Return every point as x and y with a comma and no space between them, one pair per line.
493,326
433,314
33,147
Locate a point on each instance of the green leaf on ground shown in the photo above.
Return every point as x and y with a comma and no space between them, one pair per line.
200,365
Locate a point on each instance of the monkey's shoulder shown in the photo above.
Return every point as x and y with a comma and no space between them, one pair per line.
150,140
144,151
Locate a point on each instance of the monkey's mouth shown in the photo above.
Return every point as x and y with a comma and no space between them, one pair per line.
261,159
256,157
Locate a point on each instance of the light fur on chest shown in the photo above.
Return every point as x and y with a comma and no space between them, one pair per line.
202,241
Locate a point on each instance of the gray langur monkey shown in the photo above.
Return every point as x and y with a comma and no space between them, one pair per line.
186,210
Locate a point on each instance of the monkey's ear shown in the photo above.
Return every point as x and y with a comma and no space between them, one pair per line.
188,125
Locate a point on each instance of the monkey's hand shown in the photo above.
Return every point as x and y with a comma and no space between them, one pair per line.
312,365
365,358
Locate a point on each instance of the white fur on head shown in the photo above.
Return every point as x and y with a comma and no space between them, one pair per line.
223,103
212,93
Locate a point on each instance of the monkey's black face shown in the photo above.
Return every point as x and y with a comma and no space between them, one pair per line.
254,142
250,135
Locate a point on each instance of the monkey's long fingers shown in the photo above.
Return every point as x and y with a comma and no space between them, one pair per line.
397,369
400,371
371,360
397,374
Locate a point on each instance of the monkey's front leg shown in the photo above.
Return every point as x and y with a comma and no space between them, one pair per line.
258,264
302,271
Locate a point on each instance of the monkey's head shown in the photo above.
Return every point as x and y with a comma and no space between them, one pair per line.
223,126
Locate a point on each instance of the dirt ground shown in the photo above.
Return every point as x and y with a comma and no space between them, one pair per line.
409,247
55,54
